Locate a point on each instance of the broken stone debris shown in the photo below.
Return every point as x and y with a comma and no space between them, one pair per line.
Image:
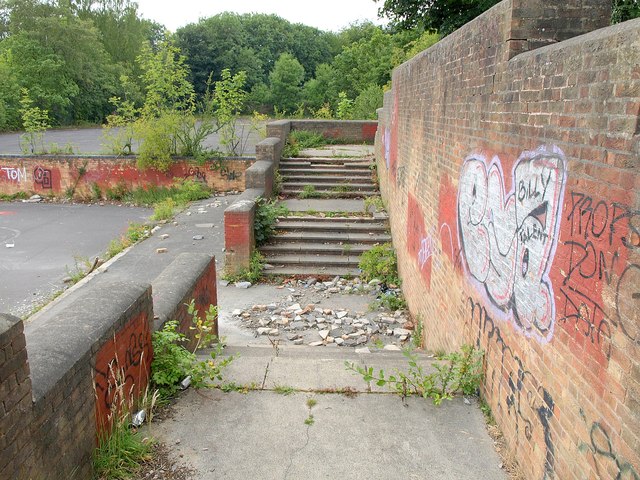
308,323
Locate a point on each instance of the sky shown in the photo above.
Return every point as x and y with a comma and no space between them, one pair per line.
331,15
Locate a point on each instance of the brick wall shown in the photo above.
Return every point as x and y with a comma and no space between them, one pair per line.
53,175
59,373
357,131
509,157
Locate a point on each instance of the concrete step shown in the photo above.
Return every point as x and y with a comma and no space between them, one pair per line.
326,179
345,227
312,271
313,260
329,187
325,163
344,249
332,237
288,193
355,172
318,219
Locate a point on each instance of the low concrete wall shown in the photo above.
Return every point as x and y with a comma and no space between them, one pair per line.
356,131
51,175
57,371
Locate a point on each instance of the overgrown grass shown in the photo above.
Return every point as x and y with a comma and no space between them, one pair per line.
181,192
134,234
252,274
120,453
301,139
164,210
9,197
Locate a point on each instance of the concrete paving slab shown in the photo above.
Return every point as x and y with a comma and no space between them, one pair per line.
264,435
328,205
339,151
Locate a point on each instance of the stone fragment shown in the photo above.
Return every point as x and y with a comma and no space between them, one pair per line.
164,236
363,350
323,334
263,331
237,312
294,307
398,332
338,341
374,282
204,225
243,284
315,344
298,341
393,348
342,314
161,250
268,266
198,237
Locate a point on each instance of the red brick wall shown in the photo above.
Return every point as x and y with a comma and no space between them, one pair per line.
512,184
48,175
122,368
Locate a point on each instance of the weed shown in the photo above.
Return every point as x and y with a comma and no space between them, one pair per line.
136,232
117,193
309,420
234,387
121,449
181,192
96,192
486,412
252,274
164,210
311,402
416,339
461,373
343,188
373,204
8,197
380,262
80,270
301,139
390,300
172,362
346,249
283,389
265,219
115,247
277,183
309,191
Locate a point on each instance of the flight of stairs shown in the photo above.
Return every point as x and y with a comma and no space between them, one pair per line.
323,243
329,177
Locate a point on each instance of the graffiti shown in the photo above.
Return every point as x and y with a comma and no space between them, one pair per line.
15,174
605,460
509,239
526,400
122,367
197,174
42,177
597,239
386,142
219,166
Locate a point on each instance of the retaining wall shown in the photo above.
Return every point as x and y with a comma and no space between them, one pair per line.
56,175
509,157
58,372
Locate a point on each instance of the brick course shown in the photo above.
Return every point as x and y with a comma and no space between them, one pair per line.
508,155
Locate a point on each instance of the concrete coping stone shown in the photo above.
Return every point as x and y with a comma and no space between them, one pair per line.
279,122
75,327
174,283
7,322
246,201
269,141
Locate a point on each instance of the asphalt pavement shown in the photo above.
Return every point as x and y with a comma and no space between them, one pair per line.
90,140
39,243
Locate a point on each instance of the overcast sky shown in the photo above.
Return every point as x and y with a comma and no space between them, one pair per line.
324,14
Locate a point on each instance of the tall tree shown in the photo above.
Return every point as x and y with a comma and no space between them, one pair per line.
286,82
443,16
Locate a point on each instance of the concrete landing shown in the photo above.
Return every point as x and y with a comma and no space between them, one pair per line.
263,434
325,205
339,151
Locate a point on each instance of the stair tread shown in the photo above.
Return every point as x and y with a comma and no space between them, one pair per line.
327,219
334,237
339,227
316,247
312,271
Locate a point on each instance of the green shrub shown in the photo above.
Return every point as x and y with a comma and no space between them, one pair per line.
462,373
301,139
380,262
366,104
172,362
117,193
265,219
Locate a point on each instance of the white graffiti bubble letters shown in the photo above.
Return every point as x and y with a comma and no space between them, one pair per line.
15,174
509,239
